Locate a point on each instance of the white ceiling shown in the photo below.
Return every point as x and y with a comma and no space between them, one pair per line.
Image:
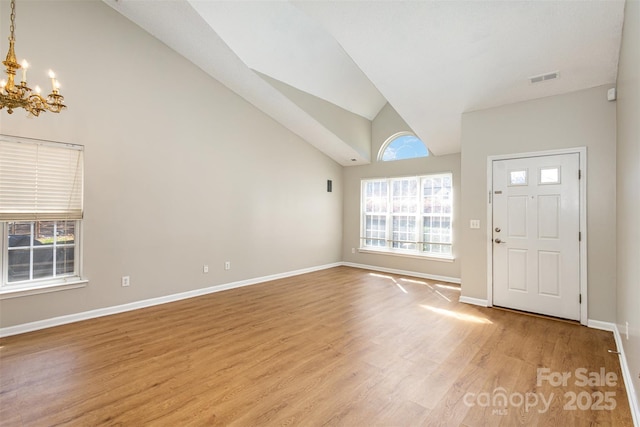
431,60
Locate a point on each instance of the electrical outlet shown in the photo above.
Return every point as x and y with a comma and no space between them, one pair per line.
227,265
474,223
125,281
205,268
627,330
353,250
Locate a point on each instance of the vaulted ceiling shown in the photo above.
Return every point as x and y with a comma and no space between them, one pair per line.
430,60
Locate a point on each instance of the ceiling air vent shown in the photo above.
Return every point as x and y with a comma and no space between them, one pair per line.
544,77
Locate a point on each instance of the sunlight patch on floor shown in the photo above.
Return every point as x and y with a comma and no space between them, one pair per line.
443,296
451,288
460,316
419,282
390,278
416,282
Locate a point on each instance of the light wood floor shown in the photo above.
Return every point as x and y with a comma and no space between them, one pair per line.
337,347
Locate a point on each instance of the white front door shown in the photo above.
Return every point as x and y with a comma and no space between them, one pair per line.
536,224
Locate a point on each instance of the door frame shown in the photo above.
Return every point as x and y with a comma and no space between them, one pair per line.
582,183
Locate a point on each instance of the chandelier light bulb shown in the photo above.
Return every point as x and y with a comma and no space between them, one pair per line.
52,76
25,65
38,90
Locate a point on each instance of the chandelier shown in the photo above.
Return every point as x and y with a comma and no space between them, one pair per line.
21,96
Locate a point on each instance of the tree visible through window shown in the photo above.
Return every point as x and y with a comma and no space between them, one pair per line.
402,146
408,215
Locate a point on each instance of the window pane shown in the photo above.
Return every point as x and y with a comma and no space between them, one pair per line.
550,175
65,232
65,261
437,208
19,265
436,195
404,196
518,177
19,234
44,232
376,196
43,262
404,232
65,247
437,230
437,249
375,230
40,249
404,147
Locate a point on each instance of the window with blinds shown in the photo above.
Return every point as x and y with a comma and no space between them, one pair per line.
40,180
41,205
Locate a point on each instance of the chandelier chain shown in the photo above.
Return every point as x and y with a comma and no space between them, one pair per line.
12,27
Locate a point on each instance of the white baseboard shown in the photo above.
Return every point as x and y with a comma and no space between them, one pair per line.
404,272
624,366
76,317
474,301
605,326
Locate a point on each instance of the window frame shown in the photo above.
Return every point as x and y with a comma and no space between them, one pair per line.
37,285
419,215
40,285
385,145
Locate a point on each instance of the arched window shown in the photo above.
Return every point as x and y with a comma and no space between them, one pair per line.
402,145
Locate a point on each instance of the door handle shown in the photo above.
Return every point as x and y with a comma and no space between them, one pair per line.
499,241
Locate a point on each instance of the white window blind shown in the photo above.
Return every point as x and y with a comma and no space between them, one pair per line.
40,180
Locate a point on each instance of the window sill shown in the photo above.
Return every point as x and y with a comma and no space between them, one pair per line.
33,289
430,257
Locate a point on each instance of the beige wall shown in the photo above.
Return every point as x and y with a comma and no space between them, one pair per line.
387,123
583,118
180,171
351,128
628,207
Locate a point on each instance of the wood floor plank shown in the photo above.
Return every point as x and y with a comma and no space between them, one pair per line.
338,347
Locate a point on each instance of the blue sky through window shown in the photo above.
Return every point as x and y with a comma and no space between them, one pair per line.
405,147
